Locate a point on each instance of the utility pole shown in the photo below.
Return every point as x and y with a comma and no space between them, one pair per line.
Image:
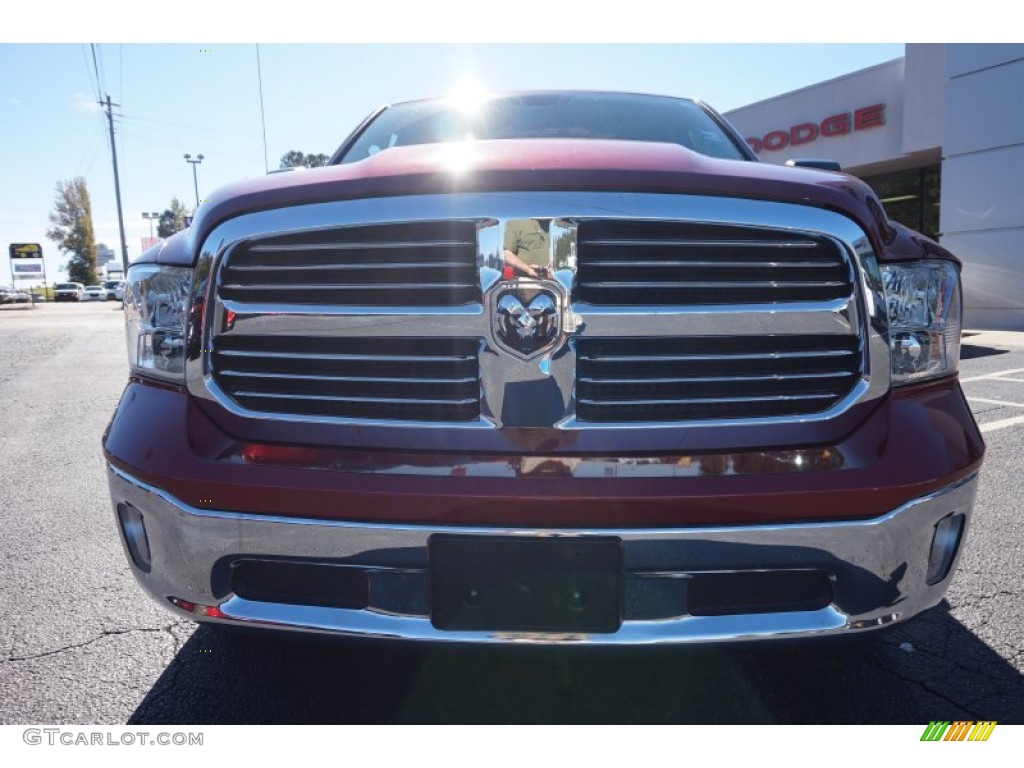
117,182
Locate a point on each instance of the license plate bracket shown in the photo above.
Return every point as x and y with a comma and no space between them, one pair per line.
527,584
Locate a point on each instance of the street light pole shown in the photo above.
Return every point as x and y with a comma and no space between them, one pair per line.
195,178
150,217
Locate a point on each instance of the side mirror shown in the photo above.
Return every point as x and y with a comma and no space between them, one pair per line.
821,165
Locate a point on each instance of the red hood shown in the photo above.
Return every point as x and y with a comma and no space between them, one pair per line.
547,164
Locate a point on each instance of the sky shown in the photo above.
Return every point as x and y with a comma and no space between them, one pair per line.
204,99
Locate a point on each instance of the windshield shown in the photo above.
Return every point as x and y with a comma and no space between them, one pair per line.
67,286
628,117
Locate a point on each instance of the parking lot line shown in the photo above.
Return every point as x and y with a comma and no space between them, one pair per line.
994,425
995,402
995,375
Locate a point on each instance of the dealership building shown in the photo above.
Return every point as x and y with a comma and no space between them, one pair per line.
939,135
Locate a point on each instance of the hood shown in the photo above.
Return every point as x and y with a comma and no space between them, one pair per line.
547,165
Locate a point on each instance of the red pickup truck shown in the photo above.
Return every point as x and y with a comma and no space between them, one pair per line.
562,367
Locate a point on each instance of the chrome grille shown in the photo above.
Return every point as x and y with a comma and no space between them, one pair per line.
357,351
402,264
687,264
703,378
371,378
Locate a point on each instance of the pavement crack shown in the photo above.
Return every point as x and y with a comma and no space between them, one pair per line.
11,658
922,684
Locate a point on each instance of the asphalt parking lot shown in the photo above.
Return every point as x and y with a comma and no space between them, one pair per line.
81,644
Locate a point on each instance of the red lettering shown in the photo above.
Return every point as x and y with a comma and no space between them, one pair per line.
776,140
869,117
802,134
836,125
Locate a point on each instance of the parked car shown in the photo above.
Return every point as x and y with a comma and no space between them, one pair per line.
11,296
115,289
94,293
595,376
68,292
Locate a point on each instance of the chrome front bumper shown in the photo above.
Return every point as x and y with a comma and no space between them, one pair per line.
877,567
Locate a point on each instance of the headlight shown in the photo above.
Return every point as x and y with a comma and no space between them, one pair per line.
156,310
923,298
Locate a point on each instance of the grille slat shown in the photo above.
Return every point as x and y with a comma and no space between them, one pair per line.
362,246
720,377
408,264
716,264
636,263
285,268
693,242
707,400
361,378
339,399
714,284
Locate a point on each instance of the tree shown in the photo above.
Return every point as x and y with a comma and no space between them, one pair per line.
72,229
172,219
294,159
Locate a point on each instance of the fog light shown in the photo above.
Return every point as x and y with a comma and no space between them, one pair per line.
134,530
945,543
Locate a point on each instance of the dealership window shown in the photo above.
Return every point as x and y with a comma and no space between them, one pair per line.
911,197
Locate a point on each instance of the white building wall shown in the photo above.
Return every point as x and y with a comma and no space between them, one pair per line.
982,216
923,96
881,84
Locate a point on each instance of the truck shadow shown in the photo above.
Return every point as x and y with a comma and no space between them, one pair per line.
931,668
971,351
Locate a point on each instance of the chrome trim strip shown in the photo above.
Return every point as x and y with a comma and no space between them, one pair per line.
864,558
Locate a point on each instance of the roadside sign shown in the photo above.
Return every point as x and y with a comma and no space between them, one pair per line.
26,263
26,251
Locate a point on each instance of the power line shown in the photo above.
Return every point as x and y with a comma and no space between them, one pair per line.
88,72
96,69
263,118
130,119
90,152
103,68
